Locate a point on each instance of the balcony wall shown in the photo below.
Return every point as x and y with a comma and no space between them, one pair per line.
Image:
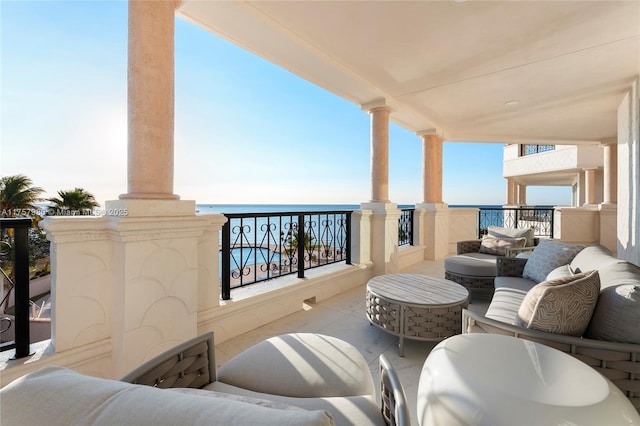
84,286
562,158
586,225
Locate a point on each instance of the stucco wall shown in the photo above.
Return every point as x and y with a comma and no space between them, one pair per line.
629,175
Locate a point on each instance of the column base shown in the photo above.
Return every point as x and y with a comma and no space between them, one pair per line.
148,196
380,206
150,208
432,206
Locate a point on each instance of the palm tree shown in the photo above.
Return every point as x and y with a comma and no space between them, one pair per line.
76,201
18,196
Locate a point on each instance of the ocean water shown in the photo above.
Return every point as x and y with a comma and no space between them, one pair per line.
277,208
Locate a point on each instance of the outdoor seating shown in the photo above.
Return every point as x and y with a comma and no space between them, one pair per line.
474,265
583,301
302,378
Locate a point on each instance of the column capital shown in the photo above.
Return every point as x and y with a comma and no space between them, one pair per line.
608,142
428,132
379,104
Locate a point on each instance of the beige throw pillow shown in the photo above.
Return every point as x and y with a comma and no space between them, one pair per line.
562,306
497,246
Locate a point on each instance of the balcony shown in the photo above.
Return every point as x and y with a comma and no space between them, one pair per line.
144,277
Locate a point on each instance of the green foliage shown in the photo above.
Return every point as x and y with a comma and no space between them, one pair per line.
74,202
18,196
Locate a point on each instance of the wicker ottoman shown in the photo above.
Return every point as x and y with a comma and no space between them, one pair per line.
474,271
414,306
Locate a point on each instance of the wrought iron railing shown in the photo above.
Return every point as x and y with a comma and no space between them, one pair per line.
538,218
258,247
405,227
535,149
18,249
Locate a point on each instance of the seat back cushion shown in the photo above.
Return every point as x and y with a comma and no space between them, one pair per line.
592,257
561,306
302,365
58,396
547,256
617,314
499,232
497,246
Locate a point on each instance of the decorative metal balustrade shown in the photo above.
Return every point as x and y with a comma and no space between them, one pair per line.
258,247
405,227
16,248
538,218
535,149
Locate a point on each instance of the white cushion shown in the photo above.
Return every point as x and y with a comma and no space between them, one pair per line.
528,233
498,246
472,264
345,410
58,396
302,365
560,272
505,304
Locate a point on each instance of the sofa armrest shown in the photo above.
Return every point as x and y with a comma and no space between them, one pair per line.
393,401
468,246
191,364
509,266
514,251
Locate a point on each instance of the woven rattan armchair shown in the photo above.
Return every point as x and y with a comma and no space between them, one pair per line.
475,283
192,365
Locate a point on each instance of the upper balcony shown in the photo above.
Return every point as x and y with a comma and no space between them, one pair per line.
559,166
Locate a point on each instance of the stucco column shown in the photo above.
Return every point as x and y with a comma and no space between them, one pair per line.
431,168
522,194
511,192
151,99
610,175
590,186
380,154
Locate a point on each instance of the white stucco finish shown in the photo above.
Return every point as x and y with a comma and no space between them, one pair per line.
629,175
384,236
463,225
136,280
577,225
434,229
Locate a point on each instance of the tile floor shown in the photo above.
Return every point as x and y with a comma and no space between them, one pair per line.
343,316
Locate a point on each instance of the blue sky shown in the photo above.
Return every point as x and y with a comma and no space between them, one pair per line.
246,131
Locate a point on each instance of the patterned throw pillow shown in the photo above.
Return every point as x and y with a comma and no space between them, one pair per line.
561,306
497,246
546,257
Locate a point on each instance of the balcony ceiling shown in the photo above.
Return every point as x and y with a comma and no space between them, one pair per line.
453,66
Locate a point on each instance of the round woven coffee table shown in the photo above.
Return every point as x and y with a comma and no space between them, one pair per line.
415,306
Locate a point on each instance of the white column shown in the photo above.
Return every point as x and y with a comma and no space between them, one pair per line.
511,195
590,186
522,194
380,154
384,214
610,175
431,167
151,99
432,214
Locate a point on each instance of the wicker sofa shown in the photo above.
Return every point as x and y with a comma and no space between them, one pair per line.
474,264
292,379
611,342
